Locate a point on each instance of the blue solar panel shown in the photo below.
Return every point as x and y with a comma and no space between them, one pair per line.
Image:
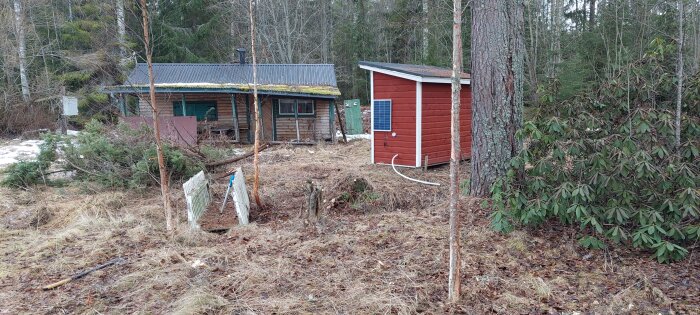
382,115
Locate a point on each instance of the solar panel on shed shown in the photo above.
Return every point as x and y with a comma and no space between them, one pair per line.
382,115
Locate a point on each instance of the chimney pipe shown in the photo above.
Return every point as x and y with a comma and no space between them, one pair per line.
241,55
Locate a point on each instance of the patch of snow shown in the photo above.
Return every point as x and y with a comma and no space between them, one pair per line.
364,136
17,150
72,132
237,151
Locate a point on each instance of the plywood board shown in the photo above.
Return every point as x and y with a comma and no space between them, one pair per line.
197,197
240,197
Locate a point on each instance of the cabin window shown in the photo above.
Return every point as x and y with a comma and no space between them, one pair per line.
382,115
203,110
304,107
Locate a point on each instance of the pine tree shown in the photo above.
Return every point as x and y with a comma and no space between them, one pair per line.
497,88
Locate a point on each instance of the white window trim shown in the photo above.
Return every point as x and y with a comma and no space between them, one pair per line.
419,122
371,113
391,105
279,108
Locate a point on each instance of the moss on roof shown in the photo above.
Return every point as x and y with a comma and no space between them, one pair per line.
297,89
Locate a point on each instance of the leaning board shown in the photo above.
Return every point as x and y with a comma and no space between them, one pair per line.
197,197
240,197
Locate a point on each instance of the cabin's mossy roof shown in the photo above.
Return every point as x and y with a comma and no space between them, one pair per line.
314,79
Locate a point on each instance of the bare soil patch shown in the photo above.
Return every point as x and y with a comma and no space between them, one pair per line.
381,248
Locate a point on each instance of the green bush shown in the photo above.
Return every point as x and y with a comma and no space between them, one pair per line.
28,173
123,157
76,79
607,162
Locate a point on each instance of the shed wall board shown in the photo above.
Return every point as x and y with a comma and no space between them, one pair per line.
436,125
402,93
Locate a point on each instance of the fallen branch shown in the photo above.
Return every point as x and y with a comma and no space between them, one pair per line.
236,159
188,150
83,274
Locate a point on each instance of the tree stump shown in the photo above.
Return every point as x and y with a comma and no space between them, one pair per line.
314,202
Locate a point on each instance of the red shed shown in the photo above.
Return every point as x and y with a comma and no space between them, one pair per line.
410,107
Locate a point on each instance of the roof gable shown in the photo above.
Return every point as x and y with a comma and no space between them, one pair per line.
419,73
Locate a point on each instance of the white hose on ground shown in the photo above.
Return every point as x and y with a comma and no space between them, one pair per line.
406,177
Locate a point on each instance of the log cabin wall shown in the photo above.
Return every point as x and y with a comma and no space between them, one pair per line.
284,129
310,128
223,106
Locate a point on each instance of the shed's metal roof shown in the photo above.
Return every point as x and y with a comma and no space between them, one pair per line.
212,74
419,70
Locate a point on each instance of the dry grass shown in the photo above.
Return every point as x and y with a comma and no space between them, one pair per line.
383,253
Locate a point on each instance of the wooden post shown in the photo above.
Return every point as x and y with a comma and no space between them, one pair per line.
275,110
236,130
340,123
247,116
62,121
121,103
314,203
331,120
183,104
262,120
296,118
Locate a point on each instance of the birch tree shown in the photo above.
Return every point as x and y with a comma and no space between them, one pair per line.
455,154
121,32
21,49
164,187
497,89
258,125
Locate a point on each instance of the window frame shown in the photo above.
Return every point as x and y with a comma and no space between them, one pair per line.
178,104
374,116
296,102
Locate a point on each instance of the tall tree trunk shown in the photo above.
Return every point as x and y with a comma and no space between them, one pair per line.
70,10
164,186
455,154
258,125
532,56
21,50
695,20
556,27
497,87
326,35
424,40
121,32
679,96
591,15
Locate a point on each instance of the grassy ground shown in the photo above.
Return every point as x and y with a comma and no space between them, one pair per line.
381,248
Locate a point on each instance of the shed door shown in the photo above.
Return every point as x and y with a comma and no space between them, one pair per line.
353,117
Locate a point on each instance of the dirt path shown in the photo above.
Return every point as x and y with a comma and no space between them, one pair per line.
379,250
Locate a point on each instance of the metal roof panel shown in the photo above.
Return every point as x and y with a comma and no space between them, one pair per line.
419,70
270,74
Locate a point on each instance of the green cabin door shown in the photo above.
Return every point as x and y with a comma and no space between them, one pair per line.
353,117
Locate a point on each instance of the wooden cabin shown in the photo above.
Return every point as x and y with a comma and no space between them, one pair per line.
410,113
296,100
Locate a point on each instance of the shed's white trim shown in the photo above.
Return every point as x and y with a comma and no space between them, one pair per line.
419,122
411,76
371,110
